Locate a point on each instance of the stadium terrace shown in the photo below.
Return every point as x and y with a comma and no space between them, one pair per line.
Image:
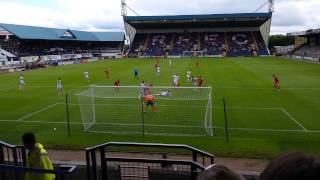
211,35
306,45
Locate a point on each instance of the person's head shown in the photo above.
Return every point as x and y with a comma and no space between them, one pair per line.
293,166
59,78
29,140
219,172
273,75
143,82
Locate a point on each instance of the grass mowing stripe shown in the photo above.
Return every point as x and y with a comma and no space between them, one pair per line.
293,119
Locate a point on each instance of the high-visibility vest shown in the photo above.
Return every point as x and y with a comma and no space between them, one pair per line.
39,159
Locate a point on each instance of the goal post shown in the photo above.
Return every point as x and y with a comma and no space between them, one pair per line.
120,110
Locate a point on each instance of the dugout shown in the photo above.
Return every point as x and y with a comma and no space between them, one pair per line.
210,34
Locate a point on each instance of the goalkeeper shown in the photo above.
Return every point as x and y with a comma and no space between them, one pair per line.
149,100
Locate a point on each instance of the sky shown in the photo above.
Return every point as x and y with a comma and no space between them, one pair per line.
105,15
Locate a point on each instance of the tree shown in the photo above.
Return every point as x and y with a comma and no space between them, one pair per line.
280,40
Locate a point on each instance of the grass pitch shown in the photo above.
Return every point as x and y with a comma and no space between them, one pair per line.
262,122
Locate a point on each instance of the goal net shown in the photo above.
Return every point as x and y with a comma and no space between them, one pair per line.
120,110
193,53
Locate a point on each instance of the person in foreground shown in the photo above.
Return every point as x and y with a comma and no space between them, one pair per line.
219,172
37,158
293,166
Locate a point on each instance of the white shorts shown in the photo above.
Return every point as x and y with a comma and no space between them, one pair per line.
59,87
22,83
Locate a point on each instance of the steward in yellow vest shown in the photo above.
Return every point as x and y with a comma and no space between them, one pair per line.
37,158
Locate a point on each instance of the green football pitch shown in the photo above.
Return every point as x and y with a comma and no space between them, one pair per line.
261,121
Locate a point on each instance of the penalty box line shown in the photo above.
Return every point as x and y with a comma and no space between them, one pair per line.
294,120
36,112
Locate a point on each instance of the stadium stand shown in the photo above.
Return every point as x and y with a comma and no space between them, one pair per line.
307,45
213,43
201,35
239,44
25,41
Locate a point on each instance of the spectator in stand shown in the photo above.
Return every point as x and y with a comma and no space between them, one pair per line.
219,172
293,166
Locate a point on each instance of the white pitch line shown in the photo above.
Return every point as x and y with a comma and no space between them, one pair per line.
31,114
271,130
119,124
4,89
247,108
112,124
293,119
257,88
214,107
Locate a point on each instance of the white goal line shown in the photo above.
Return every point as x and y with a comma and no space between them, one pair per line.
155,125
169,105
266,88
155,87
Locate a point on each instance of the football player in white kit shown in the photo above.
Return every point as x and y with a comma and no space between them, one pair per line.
59,86
86,76
188,75
21,82
176,80
158,70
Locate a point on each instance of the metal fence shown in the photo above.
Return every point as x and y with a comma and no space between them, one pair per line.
13,161
145,161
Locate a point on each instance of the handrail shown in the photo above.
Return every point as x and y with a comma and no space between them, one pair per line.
146,160
150,145
67,169
10,145
198,156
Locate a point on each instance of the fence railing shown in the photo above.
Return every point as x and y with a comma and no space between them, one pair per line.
100,162
13,162
13,172
12,154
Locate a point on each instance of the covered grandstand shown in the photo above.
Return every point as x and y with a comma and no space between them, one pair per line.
307,45
31,43
211,35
